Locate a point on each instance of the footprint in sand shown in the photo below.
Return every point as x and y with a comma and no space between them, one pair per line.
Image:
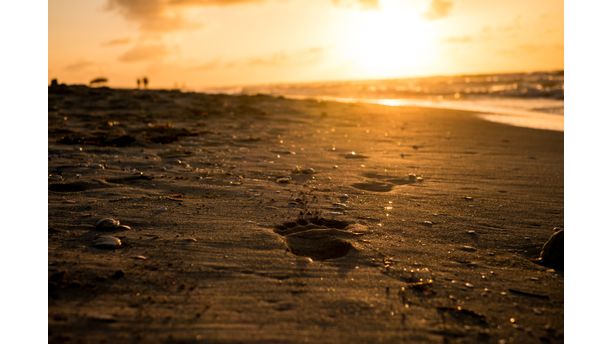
79,186
386,183
128,180
98,183
462,316
318,238
374,186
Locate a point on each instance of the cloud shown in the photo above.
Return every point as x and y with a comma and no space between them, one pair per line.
438,9
164,15
167,15
115,42
79,65
144,52
365,4
506,29
533,49
540,47
304,56
457,39
210,65
515,25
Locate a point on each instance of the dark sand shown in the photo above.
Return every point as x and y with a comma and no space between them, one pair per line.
209,186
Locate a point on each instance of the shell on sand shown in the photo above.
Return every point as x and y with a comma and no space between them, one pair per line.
107,242
468,248
340,205
552,251
108,223
300,170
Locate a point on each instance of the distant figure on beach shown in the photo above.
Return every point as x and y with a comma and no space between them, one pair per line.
145,82
138,83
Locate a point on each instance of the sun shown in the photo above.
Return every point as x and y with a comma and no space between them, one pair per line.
388,42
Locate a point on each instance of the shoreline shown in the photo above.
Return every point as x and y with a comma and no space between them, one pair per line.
515,116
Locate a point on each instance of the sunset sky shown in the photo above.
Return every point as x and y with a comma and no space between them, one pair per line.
196,44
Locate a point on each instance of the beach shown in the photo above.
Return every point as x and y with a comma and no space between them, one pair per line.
261,219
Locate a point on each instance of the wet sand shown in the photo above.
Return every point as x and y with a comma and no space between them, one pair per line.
257,219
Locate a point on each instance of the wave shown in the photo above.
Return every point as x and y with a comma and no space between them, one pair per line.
533,100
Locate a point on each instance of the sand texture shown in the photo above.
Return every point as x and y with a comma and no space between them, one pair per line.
254,219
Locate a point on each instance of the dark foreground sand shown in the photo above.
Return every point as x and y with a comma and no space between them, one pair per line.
208,182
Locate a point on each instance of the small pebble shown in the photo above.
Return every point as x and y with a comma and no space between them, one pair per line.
283,180
107,242
343,198
340,205
309,170
110,224
467,248
104,318
551,255
107,223
428,223
55,177
355,155
309,260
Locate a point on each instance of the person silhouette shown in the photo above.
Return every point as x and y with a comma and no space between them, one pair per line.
138,83
145,81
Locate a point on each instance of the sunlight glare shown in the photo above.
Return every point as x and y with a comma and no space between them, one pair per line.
390,41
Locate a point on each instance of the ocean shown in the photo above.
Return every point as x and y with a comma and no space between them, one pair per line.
533,100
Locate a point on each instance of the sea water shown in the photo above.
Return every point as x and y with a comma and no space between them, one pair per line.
533,100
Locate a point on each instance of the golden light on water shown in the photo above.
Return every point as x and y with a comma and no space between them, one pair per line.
390,102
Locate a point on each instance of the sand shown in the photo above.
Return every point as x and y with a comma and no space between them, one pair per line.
256,219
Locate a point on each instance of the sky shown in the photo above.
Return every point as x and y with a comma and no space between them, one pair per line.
199,44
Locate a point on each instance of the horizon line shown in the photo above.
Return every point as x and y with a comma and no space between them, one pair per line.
330,81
